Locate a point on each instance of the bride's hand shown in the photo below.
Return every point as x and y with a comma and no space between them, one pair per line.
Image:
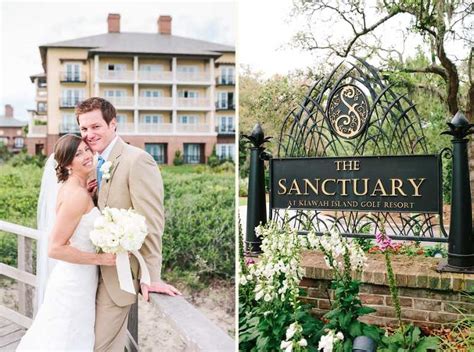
106,259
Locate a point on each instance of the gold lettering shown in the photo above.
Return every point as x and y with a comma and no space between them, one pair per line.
323,186
356,165
397,187
416,187
308,183
379,188
281,185
366,185
344,183
294,186
338,165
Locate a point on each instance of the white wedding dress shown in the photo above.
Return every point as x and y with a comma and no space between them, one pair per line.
65,320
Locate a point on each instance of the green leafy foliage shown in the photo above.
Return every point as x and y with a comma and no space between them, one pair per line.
409,339
199,227
178,158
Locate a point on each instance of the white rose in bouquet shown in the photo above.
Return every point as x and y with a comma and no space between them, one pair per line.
120,231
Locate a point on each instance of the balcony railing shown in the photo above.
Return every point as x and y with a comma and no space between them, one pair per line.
158,76
155,127
200,76
116,75
225,129
127,127
71,77
192,127
225,105
69,102
194,103
68,128
226,80
125,101
159,102
38,130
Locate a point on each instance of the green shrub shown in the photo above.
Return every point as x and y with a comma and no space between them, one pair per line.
178,158
199,228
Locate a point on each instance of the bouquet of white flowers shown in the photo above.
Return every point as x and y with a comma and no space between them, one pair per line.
120,231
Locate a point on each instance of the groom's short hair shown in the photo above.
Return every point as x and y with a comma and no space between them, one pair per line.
96,103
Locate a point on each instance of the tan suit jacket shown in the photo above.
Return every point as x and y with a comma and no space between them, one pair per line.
135,182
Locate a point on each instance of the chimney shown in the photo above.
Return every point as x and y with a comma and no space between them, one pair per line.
8,110
164,25
113,22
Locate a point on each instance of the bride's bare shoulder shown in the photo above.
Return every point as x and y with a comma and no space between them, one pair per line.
71,194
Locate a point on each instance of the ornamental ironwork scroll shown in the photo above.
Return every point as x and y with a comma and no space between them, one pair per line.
353,112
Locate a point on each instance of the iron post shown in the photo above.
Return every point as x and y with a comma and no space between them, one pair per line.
256,202
461,234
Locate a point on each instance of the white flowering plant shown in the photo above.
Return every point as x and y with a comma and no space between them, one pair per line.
118,231
344,256
271,315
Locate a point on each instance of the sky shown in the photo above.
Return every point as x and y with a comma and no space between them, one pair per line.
25,25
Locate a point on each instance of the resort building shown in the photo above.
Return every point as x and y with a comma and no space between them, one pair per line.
12,130
172,94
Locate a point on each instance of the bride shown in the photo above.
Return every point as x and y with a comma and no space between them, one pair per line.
65,320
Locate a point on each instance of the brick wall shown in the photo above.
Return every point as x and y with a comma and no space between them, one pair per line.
427,297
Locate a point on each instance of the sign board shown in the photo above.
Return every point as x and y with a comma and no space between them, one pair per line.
362,183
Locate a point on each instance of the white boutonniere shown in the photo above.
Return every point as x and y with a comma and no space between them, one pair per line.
106,169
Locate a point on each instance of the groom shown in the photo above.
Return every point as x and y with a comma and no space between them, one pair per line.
132,180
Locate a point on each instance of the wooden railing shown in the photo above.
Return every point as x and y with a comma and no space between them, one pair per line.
198,332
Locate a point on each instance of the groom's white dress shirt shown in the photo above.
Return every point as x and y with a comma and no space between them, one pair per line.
106,153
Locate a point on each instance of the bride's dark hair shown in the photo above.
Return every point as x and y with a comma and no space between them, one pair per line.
64,151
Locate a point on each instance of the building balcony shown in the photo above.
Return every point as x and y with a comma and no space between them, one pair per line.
160,128
155,128
225,80
193,103
156,76
224,105
193,127
225,129
37,130
122,102
193,77
69,102
68,128
107,75
73,77
158,103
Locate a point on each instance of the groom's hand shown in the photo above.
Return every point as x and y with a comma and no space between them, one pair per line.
159,287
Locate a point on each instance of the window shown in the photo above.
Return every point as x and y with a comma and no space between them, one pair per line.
151,68
71,97
188,94
152,93
19,142
69,124
153,119
188,119
226,124
42,107
192,153
42,82
225,151
227,75
73,72
111,93
225,100
121,119
188,68
157,151
116,67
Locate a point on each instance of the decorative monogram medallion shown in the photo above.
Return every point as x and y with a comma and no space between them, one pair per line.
348,111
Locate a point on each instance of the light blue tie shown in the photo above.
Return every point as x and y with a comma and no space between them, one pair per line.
100,162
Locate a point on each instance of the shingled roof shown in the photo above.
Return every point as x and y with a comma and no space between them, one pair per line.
142,43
